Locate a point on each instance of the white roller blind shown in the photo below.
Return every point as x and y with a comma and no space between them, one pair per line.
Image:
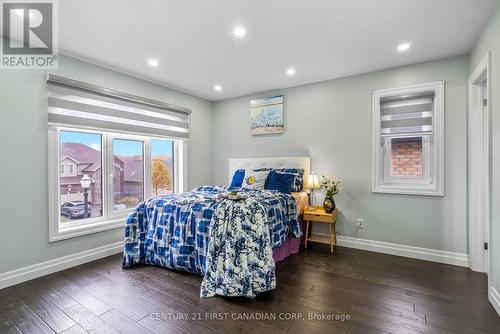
410,115
75,103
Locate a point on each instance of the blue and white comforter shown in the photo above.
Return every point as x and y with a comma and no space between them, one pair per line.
195,231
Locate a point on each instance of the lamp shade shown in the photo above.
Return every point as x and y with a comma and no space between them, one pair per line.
85,181
313,182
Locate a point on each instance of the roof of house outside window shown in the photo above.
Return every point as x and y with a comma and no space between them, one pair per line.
86,155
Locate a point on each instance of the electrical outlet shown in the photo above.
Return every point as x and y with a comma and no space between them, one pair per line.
361,222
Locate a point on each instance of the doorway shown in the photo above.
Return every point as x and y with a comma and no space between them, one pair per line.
479,166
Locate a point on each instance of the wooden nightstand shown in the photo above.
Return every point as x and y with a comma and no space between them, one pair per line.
316,214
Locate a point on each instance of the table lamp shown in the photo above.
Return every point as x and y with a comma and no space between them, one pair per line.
312,183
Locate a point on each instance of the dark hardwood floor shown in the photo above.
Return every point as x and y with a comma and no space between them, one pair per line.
370,292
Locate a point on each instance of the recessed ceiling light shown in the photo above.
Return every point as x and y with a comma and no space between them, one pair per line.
290,71
218,88
403,47
153,62
239,32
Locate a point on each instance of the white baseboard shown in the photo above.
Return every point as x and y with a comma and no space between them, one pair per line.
495,299
428,254
48,267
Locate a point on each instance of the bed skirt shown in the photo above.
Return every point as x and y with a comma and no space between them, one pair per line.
291,245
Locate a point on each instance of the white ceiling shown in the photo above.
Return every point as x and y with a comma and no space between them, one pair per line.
321,39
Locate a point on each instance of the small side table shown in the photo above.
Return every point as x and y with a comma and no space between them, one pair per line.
316,214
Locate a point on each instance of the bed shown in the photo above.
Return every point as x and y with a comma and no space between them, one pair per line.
291,245
233,244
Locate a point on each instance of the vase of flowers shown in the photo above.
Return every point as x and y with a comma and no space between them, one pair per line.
332,187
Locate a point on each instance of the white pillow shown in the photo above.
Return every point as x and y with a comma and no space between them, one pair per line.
255,180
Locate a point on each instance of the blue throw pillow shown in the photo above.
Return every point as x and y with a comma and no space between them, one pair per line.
282,182
298,173
237,180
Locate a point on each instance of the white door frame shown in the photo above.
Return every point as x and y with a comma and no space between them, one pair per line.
479,162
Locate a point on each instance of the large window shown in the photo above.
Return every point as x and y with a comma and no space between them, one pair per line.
108,152
113,173
408,129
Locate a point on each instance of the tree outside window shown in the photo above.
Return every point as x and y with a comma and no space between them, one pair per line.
160,176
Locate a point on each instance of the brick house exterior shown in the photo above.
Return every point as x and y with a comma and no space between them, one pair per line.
78,159
407,158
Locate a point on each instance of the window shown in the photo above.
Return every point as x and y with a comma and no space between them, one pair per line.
67,169
408,129
124,170
128,173
78,203
162,167
108,154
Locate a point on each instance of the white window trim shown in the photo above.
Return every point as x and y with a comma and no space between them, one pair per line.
110,219
436,187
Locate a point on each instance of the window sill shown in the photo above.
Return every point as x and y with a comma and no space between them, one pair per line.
85,229
400,190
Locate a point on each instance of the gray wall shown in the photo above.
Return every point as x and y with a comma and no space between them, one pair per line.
490,41
331,122
23,158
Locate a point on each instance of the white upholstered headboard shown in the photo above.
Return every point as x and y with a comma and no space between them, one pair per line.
274,162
